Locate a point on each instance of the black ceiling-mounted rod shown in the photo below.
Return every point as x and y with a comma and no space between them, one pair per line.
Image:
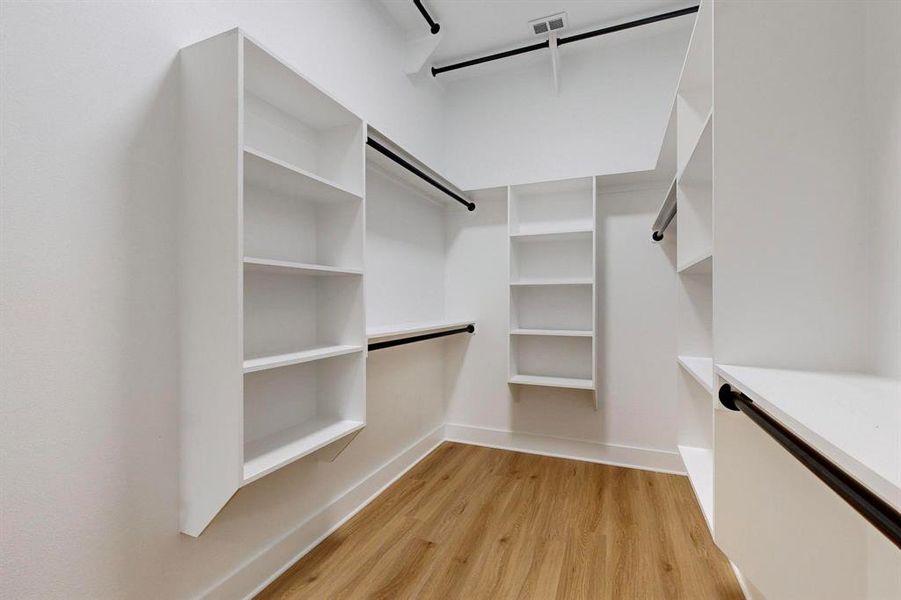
420,338
433,26
490,57
566,40
871,507
416,171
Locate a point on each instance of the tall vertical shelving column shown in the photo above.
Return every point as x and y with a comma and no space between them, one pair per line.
553,326
694,259
272,271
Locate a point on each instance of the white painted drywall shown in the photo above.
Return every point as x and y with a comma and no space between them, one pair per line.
89,433
508,127
883,114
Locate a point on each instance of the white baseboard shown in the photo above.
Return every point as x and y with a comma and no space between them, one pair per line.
261,570
608,454
742,582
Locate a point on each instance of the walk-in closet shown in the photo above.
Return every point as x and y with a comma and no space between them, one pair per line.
433,299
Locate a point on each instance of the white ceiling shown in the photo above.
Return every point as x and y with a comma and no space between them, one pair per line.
474,27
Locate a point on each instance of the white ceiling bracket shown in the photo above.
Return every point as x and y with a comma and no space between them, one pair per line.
555,60
418,52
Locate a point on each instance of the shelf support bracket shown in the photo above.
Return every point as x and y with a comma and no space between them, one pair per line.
332,451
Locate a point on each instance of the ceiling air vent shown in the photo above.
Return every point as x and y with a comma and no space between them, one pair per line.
548,24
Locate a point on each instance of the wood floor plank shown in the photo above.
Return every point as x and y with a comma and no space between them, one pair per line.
470,522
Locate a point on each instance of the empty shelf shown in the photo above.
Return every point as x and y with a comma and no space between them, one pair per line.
272,452
267,264
554,332
554,234
700,368
252,365
386,331
699,265
269,172
574,226
699,465
559,382
853,419
574,281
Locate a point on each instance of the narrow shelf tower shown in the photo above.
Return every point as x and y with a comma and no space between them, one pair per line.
271,272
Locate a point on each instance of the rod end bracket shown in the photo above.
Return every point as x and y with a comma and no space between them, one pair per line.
727,397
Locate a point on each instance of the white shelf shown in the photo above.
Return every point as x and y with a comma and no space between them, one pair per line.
701,368
699,465
553,233
574,281
421,327
264,456
852,419
252,365
269,172
557,382
552,332
268,264
699,265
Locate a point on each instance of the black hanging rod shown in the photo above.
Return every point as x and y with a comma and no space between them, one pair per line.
416,171
433,26
566,40
870,506
421,338
666,215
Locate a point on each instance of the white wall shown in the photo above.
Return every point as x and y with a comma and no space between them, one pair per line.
89,338
508,127
883,114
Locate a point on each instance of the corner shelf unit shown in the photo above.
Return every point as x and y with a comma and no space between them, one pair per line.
271,260
553,326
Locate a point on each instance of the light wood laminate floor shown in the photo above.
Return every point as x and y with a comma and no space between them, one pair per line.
470,522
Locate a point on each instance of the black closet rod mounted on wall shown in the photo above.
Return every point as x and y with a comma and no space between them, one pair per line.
870,506
433,26
420,338
416,171
566,40
665,216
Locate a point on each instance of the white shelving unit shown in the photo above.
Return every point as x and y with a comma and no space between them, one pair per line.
272,272
688,147
552,274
